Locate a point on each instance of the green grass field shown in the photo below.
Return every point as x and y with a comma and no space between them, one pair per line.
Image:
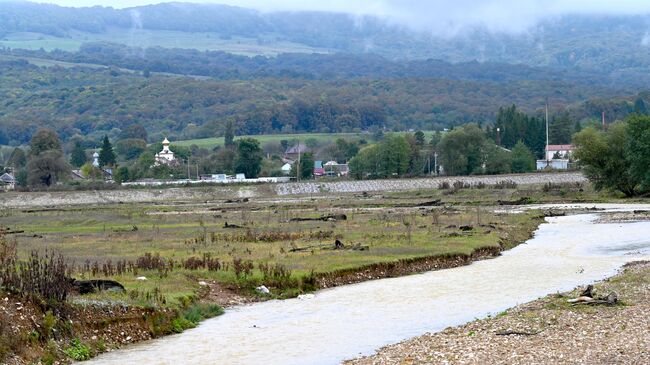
378,229
321,138
266,45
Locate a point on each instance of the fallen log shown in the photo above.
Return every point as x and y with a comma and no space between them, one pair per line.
325,218
524,200
11,232
518,333
432,203
226,225
587,298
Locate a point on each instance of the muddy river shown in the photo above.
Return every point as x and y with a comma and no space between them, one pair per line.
345,322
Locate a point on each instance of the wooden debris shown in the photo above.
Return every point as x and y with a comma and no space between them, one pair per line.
325,218
587,298
518,333
226,225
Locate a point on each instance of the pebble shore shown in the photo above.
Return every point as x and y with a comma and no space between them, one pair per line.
545,331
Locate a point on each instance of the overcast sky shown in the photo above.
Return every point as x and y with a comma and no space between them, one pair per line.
434,15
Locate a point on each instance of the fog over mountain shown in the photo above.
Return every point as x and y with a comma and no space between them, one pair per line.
440,17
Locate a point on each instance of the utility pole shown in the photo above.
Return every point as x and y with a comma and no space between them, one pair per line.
188,169
298,166
435,162
604,125
546,150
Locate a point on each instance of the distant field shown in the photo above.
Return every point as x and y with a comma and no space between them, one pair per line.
322,138
36,41
266,45
276,138
41,62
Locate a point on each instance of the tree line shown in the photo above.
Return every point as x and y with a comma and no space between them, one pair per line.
92,103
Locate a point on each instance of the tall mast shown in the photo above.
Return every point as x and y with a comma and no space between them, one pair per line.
298,170
546,150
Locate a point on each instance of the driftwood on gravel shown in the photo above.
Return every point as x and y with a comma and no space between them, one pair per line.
587,298
518,333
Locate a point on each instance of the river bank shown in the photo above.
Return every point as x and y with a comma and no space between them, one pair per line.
545,331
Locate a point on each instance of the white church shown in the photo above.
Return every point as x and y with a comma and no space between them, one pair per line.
166,156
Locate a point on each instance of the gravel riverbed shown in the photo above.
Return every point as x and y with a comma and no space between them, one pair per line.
549,331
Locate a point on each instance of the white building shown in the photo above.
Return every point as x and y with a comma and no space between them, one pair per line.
166,156
286,168
557,157
7,181
96,159
563,151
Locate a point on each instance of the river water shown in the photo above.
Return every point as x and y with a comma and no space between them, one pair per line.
345,322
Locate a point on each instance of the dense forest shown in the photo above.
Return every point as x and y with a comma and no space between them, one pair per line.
93,102
223,65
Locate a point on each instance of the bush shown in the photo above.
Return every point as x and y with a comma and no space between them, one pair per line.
38,278
192,316
77,350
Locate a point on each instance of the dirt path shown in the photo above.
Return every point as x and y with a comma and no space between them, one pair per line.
550,331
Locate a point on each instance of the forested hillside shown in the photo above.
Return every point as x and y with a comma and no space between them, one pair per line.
223,65
95,102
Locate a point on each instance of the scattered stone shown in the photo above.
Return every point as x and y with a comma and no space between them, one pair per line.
263,289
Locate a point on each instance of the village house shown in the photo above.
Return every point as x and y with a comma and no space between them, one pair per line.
7,181
558,157
292,153
559,151
286,168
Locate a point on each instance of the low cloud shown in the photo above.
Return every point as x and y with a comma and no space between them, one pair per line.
436,16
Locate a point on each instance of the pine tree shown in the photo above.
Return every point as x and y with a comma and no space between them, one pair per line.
106,154
17,159
639,107
78,155
229,135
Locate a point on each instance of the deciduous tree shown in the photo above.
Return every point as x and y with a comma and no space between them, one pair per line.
249,157
523,159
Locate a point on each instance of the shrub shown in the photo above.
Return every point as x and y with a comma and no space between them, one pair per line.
38,278
77,350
